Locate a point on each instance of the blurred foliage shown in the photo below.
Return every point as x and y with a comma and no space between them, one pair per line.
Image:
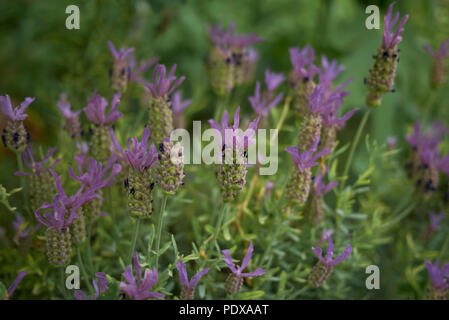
377,212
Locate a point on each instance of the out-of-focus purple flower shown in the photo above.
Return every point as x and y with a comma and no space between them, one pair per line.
14,285
161,85
82,157
37,167
135,71
137,154
140,289
307,159
100,287
121,54
231,136
17,113
96,174
96,109
389,39
302,62
330,252
261,104
178,106
21,228
236,269
329,71
438,276
441,53
320,188
64,106
273,80
324,236
268,188
226,39
435,220
189,286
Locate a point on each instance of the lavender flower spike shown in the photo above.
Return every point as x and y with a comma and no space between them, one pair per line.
273,80
316,201
383,71
178,106
72,123
96,113
234,282
136,71
439,69
14,285
120,73
40,179
139,182
439,285
298,187
231,173
322,270
261,103
140,289
188,292
15,136
160,117
434,224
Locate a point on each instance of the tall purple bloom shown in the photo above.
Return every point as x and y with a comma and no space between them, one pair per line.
188,291
322,270
135,71
439,280
140,158
298,187
262,103
235,280
231,173
140,289
14,285
72,123
330,70
160,116
15,136
100,286
316,201
383,72
120,73
439,69
40,180
96,113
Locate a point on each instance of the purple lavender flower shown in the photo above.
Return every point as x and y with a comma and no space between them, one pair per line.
273,80
389,39
439,69
320,188
302,62
307,159
120,73
22,229
316,210
391,143
96,109
178,106
40,180
161,85
329,71
17,113
322,270
15,136
72,124
231,173
139,290
139,181
439,278
231,136
100,287
268,188
263,103
383,71
235,280
14,285
324,235
188,292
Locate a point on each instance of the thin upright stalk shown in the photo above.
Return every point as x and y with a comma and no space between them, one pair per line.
354,146
22,181
159,227
133,243
83,269
220,219
221,106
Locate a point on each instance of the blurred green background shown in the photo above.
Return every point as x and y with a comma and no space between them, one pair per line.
40,58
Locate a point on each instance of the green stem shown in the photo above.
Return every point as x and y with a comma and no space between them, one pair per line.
83,269
354,146
443,250
89,249
221,106
220,222
133,243
22,181
62,283
159,227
